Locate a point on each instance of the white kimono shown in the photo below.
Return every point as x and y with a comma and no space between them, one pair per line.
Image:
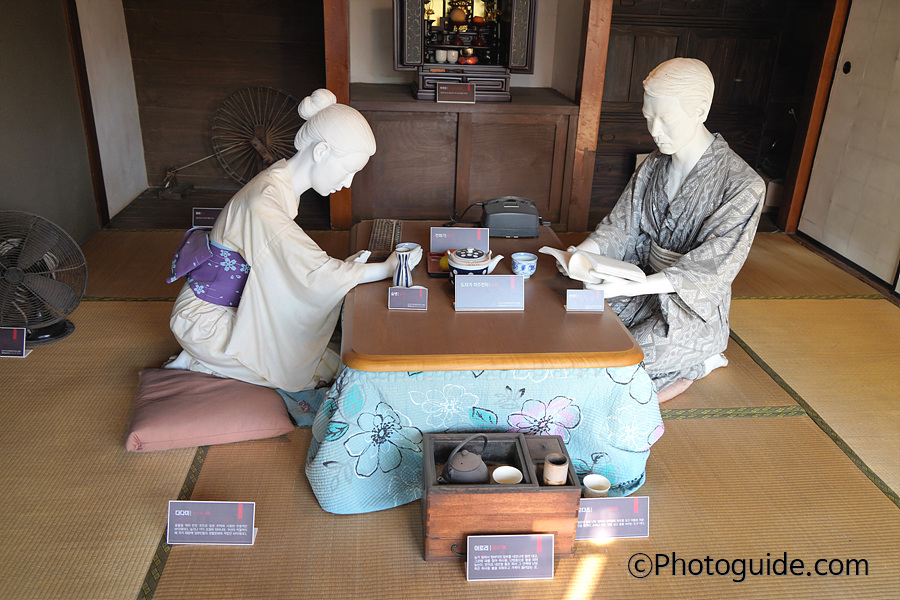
703,235
278,335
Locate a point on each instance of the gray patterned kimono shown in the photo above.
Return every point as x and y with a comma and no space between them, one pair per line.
703,234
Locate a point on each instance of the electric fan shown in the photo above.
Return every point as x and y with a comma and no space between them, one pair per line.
43,276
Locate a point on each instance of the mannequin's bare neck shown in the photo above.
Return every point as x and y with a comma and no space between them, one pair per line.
299,169
684,161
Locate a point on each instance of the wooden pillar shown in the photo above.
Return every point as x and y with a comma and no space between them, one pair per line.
808,137
101,201
598,15
337,79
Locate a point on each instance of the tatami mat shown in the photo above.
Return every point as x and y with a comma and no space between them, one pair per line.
131,264
726,488
841,357
779,266
740,474
79,516
135,264
741,384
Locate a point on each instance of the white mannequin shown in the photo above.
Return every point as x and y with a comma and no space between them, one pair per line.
676,122
332,146
687,218
278,332
330,150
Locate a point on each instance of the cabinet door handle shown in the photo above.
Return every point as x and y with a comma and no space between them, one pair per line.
607,137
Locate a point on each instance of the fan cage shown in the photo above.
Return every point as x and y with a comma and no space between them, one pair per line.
43,273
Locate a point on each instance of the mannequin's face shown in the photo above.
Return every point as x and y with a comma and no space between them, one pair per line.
332,173
672,129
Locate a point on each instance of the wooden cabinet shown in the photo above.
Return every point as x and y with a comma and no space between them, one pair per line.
432,158
496,37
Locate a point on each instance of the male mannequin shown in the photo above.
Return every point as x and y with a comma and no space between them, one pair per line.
687,218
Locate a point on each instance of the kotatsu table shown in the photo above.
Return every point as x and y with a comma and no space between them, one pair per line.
542,371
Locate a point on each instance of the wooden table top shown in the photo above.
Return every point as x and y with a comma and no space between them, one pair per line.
543,336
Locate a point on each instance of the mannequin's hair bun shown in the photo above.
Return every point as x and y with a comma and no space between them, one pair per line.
312,104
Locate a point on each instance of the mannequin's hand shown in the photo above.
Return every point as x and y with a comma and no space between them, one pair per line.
358,257
559,267
614,287
391,262
415,257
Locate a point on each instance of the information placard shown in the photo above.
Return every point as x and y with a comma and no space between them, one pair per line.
408,298
584,300
489,292
454,238
206,522
12,342
204,217
503,557
605,518
455,92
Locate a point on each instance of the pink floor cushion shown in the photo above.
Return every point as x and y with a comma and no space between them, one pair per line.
181,409
674,389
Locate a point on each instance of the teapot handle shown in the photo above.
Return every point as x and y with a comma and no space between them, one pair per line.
466,441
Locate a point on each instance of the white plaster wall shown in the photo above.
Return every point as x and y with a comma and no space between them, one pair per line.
567,52
544,48
371,45
853,202
110,77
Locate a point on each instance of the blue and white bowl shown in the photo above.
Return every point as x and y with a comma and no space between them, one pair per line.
524,263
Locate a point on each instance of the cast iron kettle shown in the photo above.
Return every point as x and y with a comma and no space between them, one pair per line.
464,466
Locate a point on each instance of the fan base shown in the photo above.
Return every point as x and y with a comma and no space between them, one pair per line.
51,333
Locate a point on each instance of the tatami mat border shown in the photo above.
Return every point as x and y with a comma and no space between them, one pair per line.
816,297
754,412
818,420
154,573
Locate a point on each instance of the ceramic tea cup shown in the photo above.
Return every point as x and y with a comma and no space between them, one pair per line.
524,263
556,469
440,56
595,486
506,474
452,56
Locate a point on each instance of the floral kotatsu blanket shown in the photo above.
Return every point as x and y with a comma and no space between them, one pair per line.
366,451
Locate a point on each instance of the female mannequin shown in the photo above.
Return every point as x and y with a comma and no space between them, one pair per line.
262,299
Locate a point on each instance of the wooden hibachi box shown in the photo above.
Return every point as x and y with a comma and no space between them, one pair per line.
451,512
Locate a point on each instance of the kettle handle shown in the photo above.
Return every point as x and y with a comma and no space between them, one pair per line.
462,445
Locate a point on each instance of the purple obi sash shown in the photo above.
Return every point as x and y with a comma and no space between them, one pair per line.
215,273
